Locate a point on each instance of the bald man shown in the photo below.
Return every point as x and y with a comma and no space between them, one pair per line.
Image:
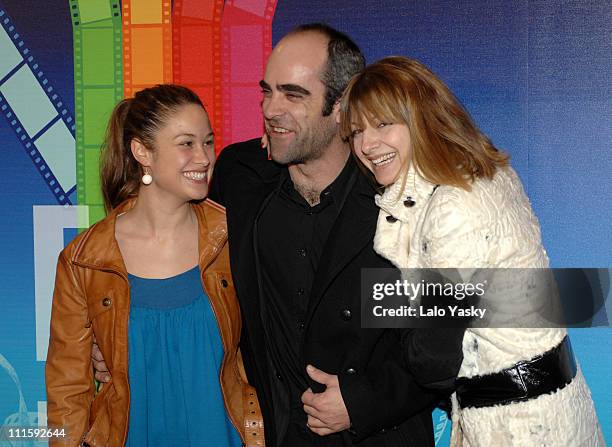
300,231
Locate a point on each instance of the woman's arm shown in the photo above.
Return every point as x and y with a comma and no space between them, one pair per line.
69,375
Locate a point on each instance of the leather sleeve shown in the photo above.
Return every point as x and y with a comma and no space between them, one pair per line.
253,418
69,374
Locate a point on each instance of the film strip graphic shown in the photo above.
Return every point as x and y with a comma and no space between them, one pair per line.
147,44
246,44
196,54
98,84
41,121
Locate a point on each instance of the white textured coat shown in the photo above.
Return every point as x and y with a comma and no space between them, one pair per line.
490,226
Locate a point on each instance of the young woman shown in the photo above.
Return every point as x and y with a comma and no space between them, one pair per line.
152,283
451,200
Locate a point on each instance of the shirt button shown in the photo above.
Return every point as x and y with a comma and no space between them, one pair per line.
106,302
224,283
346,314
302,252
279,377
351,371
391,219
301,325
300,291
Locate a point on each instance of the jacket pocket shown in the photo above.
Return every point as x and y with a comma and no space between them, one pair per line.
99,305
100,315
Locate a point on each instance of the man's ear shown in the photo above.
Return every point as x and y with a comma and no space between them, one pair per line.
140,152
336,111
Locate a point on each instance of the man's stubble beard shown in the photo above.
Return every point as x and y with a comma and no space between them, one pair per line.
309,147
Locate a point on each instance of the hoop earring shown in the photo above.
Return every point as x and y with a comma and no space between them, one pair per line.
147,179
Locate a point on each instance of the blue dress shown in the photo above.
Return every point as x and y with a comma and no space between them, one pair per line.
175,354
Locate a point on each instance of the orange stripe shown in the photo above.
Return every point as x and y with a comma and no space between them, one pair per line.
147,44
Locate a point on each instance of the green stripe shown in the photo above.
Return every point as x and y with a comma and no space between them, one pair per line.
98,86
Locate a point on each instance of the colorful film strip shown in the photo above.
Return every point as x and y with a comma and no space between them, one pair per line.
196,54
246,44
98,84
36,113
147,44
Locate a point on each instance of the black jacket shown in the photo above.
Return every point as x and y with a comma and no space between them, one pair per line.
386,405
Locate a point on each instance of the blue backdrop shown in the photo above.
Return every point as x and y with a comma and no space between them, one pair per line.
534,75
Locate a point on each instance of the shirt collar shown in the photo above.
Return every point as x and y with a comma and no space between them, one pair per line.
334,191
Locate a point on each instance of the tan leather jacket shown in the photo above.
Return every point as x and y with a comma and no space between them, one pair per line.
92,297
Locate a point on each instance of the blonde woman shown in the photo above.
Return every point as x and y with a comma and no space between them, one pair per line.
451,200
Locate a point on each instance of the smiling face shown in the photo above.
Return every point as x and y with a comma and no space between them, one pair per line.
293,99
383,148
183,157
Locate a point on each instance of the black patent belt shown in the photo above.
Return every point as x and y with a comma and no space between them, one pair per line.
526,380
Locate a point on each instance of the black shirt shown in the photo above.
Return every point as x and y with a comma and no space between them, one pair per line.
291,236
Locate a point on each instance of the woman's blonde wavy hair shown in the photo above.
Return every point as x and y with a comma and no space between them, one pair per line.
447,147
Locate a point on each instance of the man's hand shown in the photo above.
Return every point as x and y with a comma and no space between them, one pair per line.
100,369
326,411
